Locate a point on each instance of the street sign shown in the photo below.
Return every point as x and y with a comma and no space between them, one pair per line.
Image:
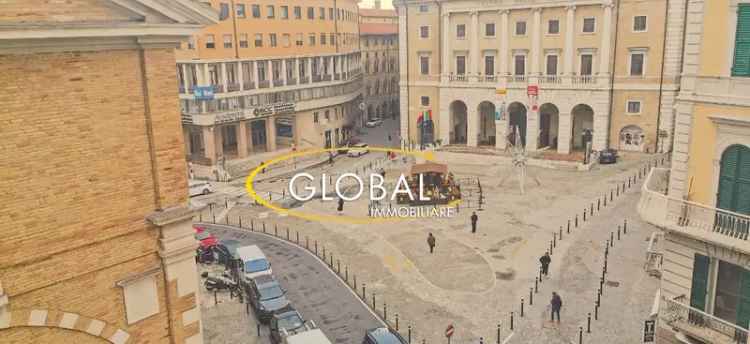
649,331
449,331
501,91
532,90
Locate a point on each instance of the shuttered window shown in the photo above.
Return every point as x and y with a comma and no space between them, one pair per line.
734,180
743,309
699,287
742,42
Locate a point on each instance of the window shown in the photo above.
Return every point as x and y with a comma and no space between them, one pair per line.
258,39
223,11
460,65
553,27
634,107
424,31
312,39
489,29
322,13
191,43
423,8
272,39
297,12
323,39
141,298
240,10
298,40
636,64
551,64
489,65
311,13
424,65
286,40
521,28
589,25
460,31
271,12
587,64
741,65
284,12
243,40
256,11
425,101
520,65
332,39
262,71
227,41
639,24
315,117
328,115
210,42
330,13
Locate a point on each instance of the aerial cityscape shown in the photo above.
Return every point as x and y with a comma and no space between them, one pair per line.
375,171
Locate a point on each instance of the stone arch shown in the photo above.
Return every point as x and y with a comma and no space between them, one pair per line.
549,122
43,318
632,138
458,122
486,122
517,121
583,126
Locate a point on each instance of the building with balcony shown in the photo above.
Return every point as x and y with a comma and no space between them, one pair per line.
271,75
560,73
703,202
378,30
95,188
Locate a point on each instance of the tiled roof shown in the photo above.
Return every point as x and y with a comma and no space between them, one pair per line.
378,29
371,12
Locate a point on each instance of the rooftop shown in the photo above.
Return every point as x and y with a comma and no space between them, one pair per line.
378,29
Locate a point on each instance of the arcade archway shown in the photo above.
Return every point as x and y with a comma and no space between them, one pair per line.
458,123
486,112
517,122
549,120
583,126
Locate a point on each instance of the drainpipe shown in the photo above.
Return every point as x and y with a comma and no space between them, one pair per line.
661,78
612,78
233,15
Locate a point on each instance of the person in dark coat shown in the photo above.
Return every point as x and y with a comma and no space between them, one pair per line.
431,242
330,158
474,219
340,208
545,260
556,305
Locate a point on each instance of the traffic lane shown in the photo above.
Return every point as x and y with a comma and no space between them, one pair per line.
378,136
311,287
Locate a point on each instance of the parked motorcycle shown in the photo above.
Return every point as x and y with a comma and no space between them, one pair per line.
221,283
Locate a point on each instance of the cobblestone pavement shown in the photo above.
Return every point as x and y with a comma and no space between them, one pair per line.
628,290
312,289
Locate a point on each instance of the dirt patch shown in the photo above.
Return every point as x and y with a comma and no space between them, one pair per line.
505,276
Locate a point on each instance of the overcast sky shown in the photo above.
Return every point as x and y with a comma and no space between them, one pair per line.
371,3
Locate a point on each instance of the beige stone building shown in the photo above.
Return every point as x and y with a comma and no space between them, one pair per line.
703,201
99,246
271,75
560,73
378,29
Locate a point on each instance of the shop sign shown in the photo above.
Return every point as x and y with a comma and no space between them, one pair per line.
532,90
203,92
274,109
229,117
501,91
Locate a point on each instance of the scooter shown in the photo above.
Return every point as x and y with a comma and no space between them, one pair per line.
220,283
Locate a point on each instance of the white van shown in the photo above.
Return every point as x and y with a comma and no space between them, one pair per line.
199,187
254,262
315,336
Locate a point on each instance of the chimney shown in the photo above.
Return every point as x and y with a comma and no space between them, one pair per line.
377,4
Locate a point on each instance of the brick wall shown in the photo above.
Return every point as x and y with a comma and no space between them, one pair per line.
59,11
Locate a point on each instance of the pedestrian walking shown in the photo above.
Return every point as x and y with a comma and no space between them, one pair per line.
545,260
330,158
340,208
556,305
474,219
389,137
431,242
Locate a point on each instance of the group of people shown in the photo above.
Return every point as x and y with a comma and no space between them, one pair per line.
544,261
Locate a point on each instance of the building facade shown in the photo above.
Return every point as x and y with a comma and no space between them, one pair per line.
102,247
561,74
703,201
271,75
378,31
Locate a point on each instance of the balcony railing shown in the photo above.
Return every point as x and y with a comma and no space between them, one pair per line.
326,77
249,85
218,88
583,79
518,78
278,82
698,324
488,78
709,223
550,79
233,87
337,76
304,80
316,78
291,81
458,77
264,84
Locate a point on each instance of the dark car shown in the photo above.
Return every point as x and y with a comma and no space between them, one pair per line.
608,156
382,335
284,323
266,296
226,252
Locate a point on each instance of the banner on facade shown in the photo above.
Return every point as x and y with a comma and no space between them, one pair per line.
203,92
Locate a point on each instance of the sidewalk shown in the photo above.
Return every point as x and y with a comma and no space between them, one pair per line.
576,278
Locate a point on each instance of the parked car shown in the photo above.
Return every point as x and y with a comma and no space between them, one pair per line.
206,239
199,187
253,263
608,156
288,327
358,150
226,252
373,123
266,296
382,335
314,336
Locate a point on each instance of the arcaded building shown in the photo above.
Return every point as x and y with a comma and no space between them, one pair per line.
270,76
561,74
378,30
98,246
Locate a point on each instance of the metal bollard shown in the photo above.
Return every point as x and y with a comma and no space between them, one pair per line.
584,214
536,284
576,221
554,239
596,311
216,300
364,289
264,226
531,296
618,232
396,321
625,226
591,209
240,219
316,248
568,226
331,265
605,199
252,225
346,273
540,274
338,266
275,230
611,239
521,307
550,247
297,237
385,312
611,192
373,301
409,334
287,234
598,204
511,321
561,233
588,323
498,334
354,279
580,334
324,254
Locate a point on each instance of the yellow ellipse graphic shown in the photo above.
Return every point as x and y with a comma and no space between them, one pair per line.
427,155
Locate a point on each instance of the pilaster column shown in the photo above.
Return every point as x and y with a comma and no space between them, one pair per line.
474,46
536,41
295,73
185,77
445,63
241,139
564,130
224,76
206,77
269,72
254,66
209,144
270,134
504,37
406,115
240,75
283,72
606,39
309,68
330,67
501,127
570,24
